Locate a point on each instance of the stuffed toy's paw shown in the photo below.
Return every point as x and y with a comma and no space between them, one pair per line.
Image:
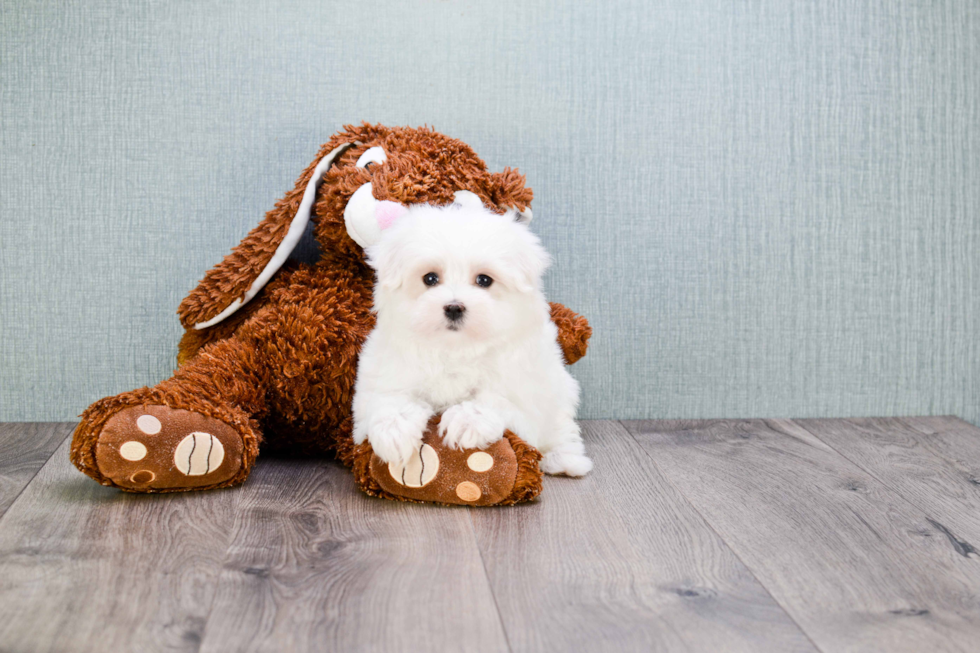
154,448
504,473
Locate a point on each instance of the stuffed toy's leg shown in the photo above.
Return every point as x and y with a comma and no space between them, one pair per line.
194,431
504,473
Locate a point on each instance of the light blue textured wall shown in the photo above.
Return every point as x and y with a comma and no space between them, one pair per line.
766,208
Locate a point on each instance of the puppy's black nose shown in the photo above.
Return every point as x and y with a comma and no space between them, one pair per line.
454,312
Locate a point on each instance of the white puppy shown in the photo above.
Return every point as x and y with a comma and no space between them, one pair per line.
464,330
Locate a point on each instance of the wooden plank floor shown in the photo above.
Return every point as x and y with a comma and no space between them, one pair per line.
744,535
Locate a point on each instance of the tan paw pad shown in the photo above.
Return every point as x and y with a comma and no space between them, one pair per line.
468,491
198,454
420,469
143,477
148,424
480,461
133,450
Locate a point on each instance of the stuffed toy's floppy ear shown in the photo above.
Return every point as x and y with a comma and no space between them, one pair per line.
242,274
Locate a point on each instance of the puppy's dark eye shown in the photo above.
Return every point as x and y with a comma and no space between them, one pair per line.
367,166
483,281
430,279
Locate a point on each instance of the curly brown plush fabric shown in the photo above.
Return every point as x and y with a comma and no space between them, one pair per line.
280,371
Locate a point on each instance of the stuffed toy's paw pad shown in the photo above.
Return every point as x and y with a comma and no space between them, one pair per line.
147,448
443,474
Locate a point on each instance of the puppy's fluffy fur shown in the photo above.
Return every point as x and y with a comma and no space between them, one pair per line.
484,355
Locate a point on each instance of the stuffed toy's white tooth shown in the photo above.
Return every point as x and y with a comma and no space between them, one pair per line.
524,217
360,217
467,199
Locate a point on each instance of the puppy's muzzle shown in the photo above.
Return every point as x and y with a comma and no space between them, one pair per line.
454,313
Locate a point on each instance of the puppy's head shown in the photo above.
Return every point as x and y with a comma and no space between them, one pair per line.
458,274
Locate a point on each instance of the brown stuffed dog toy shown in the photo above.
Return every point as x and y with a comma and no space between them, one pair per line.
270,353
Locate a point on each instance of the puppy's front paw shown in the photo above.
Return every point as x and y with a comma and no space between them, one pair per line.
470,426
566,464
396,435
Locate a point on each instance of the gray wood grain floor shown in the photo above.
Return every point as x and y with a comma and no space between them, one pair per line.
749,535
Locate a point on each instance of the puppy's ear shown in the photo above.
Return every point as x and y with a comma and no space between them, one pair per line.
388,258
528,263
242,274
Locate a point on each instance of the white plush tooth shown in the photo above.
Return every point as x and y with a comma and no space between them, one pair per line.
468,199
